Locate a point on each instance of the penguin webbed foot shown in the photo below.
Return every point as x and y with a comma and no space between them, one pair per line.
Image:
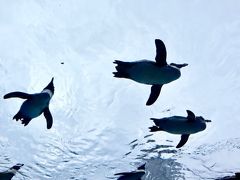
17,116
23,120
121,68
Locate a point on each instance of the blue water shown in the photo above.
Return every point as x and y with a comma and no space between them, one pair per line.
96,116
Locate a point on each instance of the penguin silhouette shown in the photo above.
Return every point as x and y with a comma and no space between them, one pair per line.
35,105
180,125
149,72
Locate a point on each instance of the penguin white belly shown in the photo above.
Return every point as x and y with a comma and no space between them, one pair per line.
33,107
147,72
181,126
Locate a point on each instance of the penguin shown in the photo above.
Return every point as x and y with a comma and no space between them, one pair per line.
149,72
133,175
180,125
8,174
234,177
34,105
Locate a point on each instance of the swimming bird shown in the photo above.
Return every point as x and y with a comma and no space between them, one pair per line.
234,177
149,72
35,105
8,174
180,125
133,175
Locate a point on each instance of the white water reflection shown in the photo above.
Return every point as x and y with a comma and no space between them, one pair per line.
97,116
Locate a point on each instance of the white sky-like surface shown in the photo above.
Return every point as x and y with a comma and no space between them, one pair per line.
95,115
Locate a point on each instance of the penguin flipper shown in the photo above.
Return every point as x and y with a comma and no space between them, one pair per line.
17,95
155,91
47,114
184,139
191,116
17,166
161,53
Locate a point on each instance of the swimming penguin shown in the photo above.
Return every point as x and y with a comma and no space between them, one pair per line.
148,72
180,125
35,105
134,175
234,177
8,174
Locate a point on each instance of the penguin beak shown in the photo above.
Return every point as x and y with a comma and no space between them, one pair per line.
17,166
183,65
179,65
50,86
207,120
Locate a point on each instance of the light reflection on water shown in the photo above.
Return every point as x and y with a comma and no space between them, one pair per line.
101,123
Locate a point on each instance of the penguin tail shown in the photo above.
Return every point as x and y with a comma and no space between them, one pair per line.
154,129
122,69
24,120
18,116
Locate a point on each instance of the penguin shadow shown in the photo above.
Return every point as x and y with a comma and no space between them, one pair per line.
159,160
132,175
11,172
154,168
139,145
163,169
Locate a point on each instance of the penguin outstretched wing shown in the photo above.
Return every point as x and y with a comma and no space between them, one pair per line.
17,95
155,91
47,114
184,139
161,53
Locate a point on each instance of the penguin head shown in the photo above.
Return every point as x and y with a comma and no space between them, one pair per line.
50,86
178,65
16,167
203,120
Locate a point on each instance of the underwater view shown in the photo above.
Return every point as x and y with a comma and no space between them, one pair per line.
112,89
